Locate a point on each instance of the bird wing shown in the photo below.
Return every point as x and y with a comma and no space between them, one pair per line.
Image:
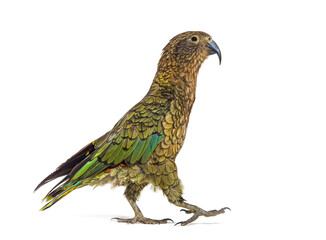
132,140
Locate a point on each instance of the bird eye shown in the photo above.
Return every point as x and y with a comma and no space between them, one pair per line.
194,39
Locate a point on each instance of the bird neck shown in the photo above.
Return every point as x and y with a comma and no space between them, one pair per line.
176,82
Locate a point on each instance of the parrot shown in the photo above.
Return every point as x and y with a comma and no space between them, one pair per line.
142,146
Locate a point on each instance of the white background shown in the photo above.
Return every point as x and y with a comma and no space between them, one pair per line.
256,139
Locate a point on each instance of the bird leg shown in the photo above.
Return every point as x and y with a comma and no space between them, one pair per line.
132,193
139,217
197,212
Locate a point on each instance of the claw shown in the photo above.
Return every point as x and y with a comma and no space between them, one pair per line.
186,211
183,223
216,212
167,219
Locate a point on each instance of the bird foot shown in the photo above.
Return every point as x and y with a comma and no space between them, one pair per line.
144,220
200,212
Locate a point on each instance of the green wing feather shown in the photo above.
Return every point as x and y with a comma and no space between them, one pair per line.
132,140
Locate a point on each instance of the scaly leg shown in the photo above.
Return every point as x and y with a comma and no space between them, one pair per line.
132,193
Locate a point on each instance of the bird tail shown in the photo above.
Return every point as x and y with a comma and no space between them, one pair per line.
65,168
57,193
66,185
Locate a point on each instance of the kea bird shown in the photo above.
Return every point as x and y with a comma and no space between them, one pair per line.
142,146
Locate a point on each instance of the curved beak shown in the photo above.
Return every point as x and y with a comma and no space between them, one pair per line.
214,49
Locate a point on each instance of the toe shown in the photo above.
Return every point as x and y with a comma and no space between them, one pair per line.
153,221
186,211
166,220
183,223
125,220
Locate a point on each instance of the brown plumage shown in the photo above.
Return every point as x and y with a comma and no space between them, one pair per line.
142,147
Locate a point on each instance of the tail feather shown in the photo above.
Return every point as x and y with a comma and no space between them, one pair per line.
55,190
65,186
66,167
58,193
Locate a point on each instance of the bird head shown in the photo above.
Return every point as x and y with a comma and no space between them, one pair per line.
190,48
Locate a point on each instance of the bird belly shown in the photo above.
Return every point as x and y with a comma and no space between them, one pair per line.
121,175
